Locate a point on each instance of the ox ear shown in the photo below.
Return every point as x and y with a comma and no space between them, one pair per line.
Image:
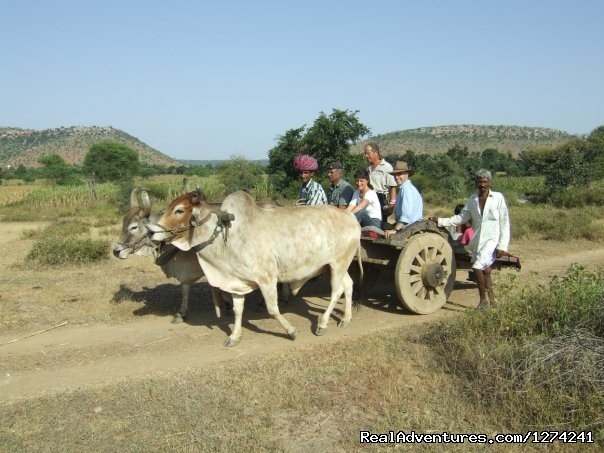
134,198
146,203
197,197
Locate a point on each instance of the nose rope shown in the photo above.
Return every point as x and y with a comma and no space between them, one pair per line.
132,244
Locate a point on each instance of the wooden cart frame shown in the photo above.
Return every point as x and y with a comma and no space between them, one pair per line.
423,262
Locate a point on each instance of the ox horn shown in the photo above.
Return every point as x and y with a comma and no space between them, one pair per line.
146,203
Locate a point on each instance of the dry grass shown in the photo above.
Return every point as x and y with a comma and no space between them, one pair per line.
34,297
13,193
317,400
540,354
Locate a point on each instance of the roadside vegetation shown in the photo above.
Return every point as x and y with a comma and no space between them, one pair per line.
537,360
65,242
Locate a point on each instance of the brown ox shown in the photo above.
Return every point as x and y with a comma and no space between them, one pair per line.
243,247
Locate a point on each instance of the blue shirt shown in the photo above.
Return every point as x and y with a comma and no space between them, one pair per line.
409,205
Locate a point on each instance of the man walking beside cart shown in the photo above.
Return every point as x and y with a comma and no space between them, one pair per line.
489,214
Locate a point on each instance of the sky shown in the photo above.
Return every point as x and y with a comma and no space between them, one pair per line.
216,79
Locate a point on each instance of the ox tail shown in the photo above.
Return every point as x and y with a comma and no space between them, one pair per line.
357,302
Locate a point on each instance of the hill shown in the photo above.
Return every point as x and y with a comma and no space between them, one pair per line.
439,139
216,162
25,146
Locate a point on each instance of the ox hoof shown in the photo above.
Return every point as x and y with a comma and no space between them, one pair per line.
293,334
343,324
320,331
229,342
177,319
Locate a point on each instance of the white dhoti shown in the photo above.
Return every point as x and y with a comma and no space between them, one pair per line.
485,256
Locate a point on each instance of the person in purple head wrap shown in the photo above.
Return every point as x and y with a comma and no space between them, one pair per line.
311,192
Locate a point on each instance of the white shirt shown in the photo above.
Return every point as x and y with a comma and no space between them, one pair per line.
373,209
492,227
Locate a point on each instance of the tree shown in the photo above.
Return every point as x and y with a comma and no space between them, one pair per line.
569,168
535,160
56,169
110,161
328,139
595,151
458,153
240,174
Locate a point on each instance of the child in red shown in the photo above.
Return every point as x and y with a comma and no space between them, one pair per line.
468,233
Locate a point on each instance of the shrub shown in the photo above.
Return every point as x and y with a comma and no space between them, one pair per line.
578,197
540,354
55,251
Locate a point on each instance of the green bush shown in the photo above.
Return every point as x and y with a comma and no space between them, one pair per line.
540,354
54,251
575,197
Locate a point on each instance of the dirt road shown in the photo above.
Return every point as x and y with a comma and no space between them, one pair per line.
75,356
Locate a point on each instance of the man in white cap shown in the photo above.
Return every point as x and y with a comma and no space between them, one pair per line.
409,205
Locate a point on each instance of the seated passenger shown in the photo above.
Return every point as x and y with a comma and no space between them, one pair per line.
340,192
365,204
311,192
468,233
409,205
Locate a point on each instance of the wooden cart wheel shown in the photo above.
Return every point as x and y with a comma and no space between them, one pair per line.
425,273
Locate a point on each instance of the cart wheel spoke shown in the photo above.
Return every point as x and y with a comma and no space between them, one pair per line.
414,278
416,269
425,272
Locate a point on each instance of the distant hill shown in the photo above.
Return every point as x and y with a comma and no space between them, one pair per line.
216,162
25,146
439,139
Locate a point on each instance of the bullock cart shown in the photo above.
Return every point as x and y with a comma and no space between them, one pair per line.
423,262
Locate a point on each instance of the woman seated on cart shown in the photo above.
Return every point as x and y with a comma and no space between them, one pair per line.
365,204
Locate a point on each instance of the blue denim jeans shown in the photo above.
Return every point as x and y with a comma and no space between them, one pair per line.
365,220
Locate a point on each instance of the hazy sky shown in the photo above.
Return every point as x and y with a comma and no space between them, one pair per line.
211,79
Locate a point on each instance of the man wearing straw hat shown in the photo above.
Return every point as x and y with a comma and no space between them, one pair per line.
409,204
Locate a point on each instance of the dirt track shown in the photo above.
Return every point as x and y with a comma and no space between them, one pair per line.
77,356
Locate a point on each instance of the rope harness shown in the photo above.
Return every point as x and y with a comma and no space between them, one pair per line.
223,224
132,245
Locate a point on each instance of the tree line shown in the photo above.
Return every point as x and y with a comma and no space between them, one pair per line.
572,169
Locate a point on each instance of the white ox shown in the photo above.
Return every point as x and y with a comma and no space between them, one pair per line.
183,266
243,247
